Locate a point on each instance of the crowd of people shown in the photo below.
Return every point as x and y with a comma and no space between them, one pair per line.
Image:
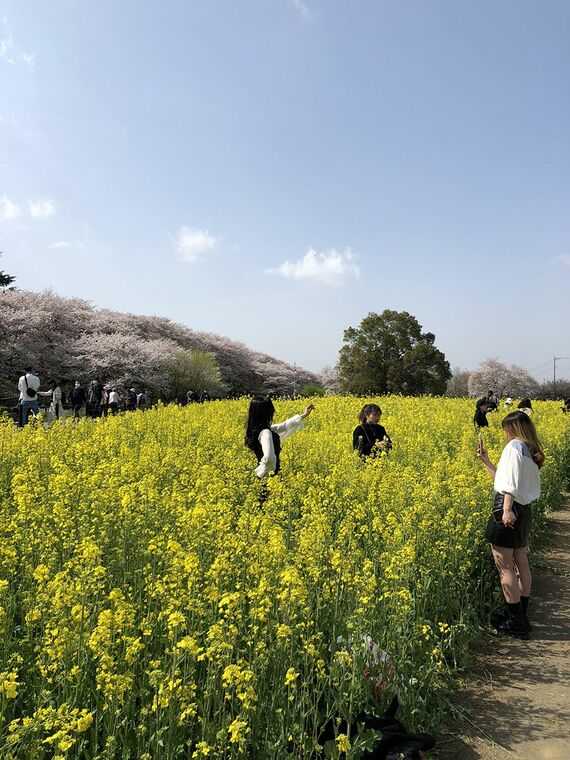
96,400
490,403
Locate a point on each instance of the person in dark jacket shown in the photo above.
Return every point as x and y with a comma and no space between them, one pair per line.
94,398
480,417
77,398
370,437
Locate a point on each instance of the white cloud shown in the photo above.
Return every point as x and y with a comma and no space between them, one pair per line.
330,268
302,9
192,243
8,50
60,244
564,258
8,209
29,59
42,209
10,53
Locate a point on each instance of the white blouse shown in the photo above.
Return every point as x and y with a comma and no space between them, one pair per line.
517,473
285,429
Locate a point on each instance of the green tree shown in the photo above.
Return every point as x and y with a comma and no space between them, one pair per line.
312,389
389,353
192,370
6,279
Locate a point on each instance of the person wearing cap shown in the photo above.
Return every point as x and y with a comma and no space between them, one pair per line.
507,404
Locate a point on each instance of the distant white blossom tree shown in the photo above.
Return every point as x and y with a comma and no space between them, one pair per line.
505,380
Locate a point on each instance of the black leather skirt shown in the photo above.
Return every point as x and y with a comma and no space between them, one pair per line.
509,538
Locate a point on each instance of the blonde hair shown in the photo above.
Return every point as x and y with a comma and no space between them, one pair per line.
519,425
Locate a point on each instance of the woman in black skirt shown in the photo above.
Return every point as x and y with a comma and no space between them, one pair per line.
517,484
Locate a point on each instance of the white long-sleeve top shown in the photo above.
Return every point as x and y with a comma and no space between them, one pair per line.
284,430
517,473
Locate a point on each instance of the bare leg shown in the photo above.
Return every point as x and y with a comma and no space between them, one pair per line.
523,568
509,581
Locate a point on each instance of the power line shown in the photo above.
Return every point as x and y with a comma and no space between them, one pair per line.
540,366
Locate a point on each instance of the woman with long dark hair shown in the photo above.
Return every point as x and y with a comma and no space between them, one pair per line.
516,485
264,438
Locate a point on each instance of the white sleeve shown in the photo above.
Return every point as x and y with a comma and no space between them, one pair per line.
287,428
268,460
508,476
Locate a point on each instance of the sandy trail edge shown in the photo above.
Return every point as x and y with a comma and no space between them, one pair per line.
517,703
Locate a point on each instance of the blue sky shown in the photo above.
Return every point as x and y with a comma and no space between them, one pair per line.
274,170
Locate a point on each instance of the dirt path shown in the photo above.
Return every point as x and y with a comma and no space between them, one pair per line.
518,705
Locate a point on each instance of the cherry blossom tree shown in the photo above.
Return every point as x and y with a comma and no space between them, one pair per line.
64,338
503,379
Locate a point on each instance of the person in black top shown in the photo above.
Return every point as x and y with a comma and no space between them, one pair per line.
480,417
77,397
370,437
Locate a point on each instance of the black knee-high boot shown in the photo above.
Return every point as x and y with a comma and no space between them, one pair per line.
524,602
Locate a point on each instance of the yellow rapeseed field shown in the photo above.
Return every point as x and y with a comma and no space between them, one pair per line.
153,606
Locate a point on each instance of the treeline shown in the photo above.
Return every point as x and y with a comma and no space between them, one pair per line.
506,380
68,338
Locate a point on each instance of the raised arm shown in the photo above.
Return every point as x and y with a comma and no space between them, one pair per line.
291,425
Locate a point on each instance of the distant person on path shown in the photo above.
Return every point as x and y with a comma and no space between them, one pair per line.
192,397
481,409
77,398
57,400
264,438
29,388
142,400
94,399
105,400
566,407
370,437
114,401
525,406
508,403
131,400
516,485
204,396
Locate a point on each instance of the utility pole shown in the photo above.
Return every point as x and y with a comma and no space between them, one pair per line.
556,359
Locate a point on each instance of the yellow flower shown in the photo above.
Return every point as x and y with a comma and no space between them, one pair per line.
343,743
238,731
291,676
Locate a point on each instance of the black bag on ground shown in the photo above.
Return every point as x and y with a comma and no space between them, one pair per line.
396,741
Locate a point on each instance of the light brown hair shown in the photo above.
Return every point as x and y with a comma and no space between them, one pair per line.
519,425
